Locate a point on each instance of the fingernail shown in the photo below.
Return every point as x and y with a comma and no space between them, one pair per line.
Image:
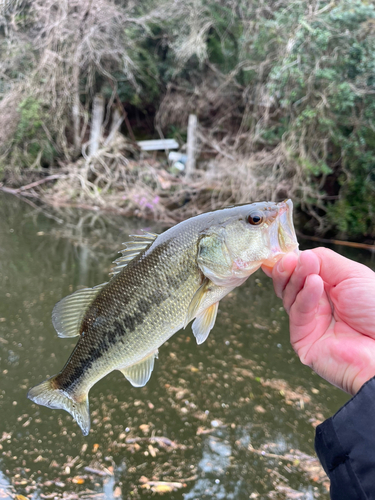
280,267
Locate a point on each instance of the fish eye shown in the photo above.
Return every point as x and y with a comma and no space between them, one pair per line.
255,218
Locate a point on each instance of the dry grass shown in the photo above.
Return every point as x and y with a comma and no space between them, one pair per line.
147,187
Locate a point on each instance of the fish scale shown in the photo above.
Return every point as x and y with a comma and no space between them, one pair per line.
175,277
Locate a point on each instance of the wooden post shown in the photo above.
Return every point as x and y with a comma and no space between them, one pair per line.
96,123
117,120
191,145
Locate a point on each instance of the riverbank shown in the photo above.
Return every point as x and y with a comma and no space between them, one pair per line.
126,181
283,94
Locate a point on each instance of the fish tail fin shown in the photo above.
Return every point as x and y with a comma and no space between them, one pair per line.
47,394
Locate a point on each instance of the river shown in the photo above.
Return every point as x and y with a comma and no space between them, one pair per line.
233,418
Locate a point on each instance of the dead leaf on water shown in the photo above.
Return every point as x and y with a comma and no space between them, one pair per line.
203,430
78,480
260,409
161,486
152,450
144,428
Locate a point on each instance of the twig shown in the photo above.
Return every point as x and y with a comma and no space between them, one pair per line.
31,185
289,457
265,454
98,472
156,439
352,244
40,209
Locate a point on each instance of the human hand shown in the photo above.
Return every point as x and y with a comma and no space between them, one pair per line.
331,305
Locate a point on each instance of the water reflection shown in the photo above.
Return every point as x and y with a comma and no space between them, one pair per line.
221,420
5,487
212,467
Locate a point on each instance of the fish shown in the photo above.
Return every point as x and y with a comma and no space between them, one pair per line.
158,286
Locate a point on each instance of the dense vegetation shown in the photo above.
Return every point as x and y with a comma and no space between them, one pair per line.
284,92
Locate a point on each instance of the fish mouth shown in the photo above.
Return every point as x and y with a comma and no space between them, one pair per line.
283,237
286,232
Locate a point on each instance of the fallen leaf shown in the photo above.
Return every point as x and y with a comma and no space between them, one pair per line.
260,409
152,450
162,486
78,480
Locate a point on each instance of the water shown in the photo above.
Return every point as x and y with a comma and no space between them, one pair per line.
230,419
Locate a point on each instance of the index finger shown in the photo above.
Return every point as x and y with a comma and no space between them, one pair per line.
334,268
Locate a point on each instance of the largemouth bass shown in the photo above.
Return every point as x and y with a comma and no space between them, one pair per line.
158,286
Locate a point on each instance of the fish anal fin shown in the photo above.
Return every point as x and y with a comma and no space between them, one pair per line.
204,323
68,313
133,248
47,394
140,373
197,301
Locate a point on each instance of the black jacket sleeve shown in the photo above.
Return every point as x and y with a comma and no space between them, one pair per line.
345,445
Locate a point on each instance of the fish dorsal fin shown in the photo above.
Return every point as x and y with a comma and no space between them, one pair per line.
140,373
68,313
133,248
204,323
196,301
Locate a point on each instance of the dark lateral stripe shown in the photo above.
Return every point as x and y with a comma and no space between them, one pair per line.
76,368
123,306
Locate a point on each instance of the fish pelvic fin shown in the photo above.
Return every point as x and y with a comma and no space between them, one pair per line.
140,373
204,323
47,394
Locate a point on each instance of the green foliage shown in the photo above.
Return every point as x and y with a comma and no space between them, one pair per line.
30,121
325,83
30,145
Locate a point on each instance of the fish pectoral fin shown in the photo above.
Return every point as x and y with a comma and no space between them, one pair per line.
196,301
68,313
204,323
140,373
